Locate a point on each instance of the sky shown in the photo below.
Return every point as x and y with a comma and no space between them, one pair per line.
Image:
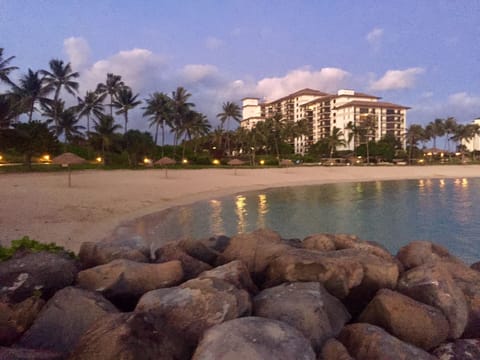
424,54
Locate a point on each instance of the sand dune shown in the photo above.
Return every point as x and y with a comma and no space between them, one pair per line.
42,206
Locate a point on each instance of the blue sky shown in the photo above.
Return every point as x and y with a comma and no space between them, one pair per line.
420,53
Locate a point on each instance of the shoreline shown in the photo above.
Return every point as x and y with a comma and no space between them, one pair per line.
43,207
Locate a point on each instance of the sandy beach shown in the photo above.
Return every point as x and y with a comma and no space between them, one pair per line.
43,207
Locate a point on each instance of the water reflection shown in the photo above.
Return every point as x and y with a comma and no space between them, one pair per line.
241,212
262,210
216,222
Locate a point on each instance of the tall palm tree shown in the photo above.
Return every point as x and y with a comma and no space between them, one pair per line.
9,110
159,109
414,134
181,107
68,124
435,129
31,90
105,128
230,111
60,76
450,128
111,86
367,129
124,101
335,139
5,69
464,133
90,104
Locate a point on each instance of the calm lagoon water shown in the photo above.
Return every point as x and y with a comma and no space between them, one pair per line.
392,213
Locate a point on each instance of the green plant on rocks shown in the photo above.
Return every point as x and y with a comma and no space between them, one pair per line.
25,243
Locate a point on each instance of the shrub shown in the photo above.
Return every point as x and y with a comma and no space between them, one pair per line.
26,243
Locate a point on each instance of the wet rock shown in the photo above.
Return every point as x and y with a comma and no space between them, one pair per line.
432,284
320,242
411,321
191,266
235,273
461,349
334,350
29,354
196,305
347,241
475,266
418,253
130,336
199,250
124,281
366,342
253,338
41,273
99,253
217,243
306,306
65,317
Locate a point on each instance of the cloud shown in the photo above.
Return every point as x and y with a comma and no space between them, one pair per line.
199,72
397,79
463,99
375,36
213,43
78,51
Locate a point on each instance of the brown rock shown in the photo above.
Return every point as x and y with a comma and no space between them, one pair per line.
320,242
367,342
235,273
461,349
306,306
199,250
475,266
29,354
191,266
334,350
411,321
432,284
347,241
421,252
253,338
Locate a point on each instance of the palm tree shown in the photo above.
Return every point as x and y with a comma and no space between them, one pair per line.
59,77
450,128
9,110
105,128
181,107
367,129
31,90
435,129
5,70
124,102
464,133
414,134
159,109
335,139
68,124
110,88
90,104
230,111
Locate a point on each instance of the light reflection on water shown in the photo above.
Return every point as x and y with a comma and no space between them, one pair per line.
392,213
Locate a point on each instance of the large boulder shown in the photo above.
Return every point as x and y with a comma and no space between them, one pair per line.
253,338
65,317
196,305
348,241
7,353
235,273
319,242
39,273
15,319
432,284
414,322
475,266
461,349
418,253
367,342
334,350
199,250
306,306
191,267
124,281
130,336
99,253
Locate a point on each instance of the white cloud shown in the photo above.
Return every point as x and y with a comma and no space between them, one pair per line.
78,51
375,36
464,100
397,79
199,72
213,43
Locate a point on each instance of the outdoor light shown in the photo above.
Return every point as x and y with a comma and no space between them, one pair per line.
216,162
98,159
46,157
214,148
262,162
1,157
458,154
147,161
184,161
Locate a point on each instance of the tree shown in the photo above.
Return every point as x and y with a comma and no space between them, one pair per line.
366,129
181,107
230,111
138,145
60,76
435,129
124,101
68,125
90,104
5,69
414,134
31,90
464,133
111,86
450,128
8,110
194,124
159,109
105,129
336,138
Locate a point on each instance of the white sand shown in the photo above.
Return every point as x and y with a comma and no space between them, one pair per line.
43,207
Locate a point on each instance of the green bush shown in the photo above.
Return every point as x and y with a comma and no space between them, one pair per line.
26,243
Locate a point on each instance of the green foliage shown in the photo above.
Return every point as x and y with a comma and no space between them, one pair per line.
26,243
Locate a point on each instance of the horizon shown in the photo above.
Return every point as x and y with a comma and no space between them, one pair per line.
419,55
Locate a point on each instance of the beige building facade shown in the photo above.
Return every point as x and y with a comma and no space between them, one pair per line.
473,144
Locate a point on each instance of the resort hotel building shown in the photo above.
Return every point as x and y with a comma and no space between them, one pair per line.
323,112
474,143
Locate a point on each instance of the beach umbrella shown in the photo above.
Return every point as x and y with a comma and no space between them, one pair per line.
67,159
165,161
234,163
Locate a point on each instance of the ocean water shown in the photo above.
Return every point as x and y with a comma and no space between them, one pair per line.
393,213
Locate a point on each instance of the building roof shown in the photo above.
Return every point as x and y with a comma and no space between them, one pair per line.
320,99
305,91
359,94
373,104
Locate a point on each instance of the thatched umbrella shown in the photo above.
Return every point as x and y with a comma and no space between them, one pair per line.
234,163
165,161
67,159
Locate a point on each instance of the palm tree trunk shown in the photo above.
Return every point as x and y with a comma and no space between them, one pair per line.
126,122
163,137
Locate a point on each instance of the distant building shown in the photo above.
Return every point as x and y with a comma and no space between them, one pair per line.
325,111
474,144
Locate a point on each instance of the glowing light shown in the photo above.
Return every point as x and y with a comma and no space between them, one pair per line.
442,183
184,161
421,161
429,154
464,182
262,162
216,162
46,157
1,157
147,161
98,159
441,154
458,154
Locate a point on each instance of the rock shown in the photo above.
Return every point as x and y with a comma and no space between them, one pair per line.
334,350
475,266
320,242
130,336
461,349
100,253
65,317
253,338
235,273
432,284
418,253
15,319
255,249
347,241
196,305
124,281
306,306
366,342
29,354
199,250
217,243
191,266
41,273
411,321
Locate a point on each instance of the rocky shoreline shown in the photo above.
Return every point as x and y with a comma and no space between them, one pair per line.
251,296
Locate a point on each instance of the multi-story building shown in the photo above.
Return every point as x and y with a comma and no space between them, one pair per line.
345,110
473,144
